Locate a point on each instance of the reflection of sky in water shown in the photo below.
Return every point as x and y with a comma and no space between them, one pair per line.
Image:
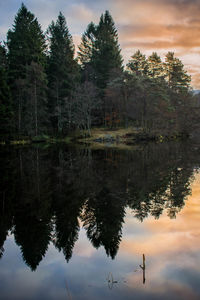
172,263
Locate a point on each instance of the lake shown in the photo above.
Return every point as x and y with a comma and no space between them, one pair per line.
86,224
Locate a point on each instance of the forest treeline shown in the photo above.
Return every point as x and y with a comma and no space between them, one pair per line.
45,89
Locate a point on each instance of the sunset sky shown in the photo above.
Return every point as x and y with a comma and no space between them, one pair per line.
148,25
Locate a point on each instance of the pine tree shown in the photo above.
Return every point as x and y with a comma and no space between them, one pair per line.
5,98
85,52
87,45
155,66
138,64
100,51
106,52
176,77
100,57
26,44
62,73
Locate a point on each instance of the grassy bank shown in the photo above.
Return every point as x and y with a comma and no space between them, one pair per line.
129,135
100,136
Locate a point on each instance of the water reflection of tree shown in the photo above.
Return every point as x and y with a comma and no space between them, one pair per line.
44,193
103,217
8,191
67,201
32,217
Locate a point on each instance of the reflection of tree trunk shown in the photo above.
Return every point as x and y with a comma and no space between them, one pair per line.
20,161
36,113
38,174
60,170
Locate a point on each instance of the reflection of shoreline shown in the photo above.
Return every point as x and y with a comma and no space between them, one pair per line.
164,239
56,188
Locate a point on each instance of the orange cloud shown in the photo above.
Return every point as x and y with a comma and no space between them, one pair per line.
161,25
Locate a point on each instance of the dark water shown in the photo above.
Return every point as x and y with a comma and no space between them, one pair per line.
75,222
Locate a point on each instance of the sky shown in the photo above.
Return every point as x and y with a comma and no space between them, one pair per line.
148,25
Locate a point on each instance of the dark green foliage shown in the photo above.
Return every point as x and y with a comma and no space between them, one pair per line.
5,98
87,45
99,52
100,57
155,66
175,74
53,94
26,45
138,64
106,53
25,42
62,74
157,101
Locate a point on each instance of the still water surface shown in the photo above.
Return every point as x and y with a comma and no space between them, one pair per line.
75,223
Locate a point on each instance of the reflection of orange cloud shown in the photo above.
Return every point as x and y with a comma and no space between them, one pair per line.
171,236
168,245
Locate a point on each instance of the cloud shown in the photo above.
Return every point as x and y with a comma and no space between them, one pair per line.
149,25
161,25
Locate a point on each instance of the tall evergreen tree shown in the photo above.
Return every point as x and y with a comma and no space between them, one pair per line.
26,44
100,49
100,57
176,76
106,53
87,45
5,98
62,73
85,52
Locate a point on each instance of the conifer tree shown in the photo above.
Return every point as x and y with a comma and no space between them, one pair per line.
100,57
5,98
87,45
106,53
176,77
85,53
100,50
62,73
155,66
138,64
26,44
